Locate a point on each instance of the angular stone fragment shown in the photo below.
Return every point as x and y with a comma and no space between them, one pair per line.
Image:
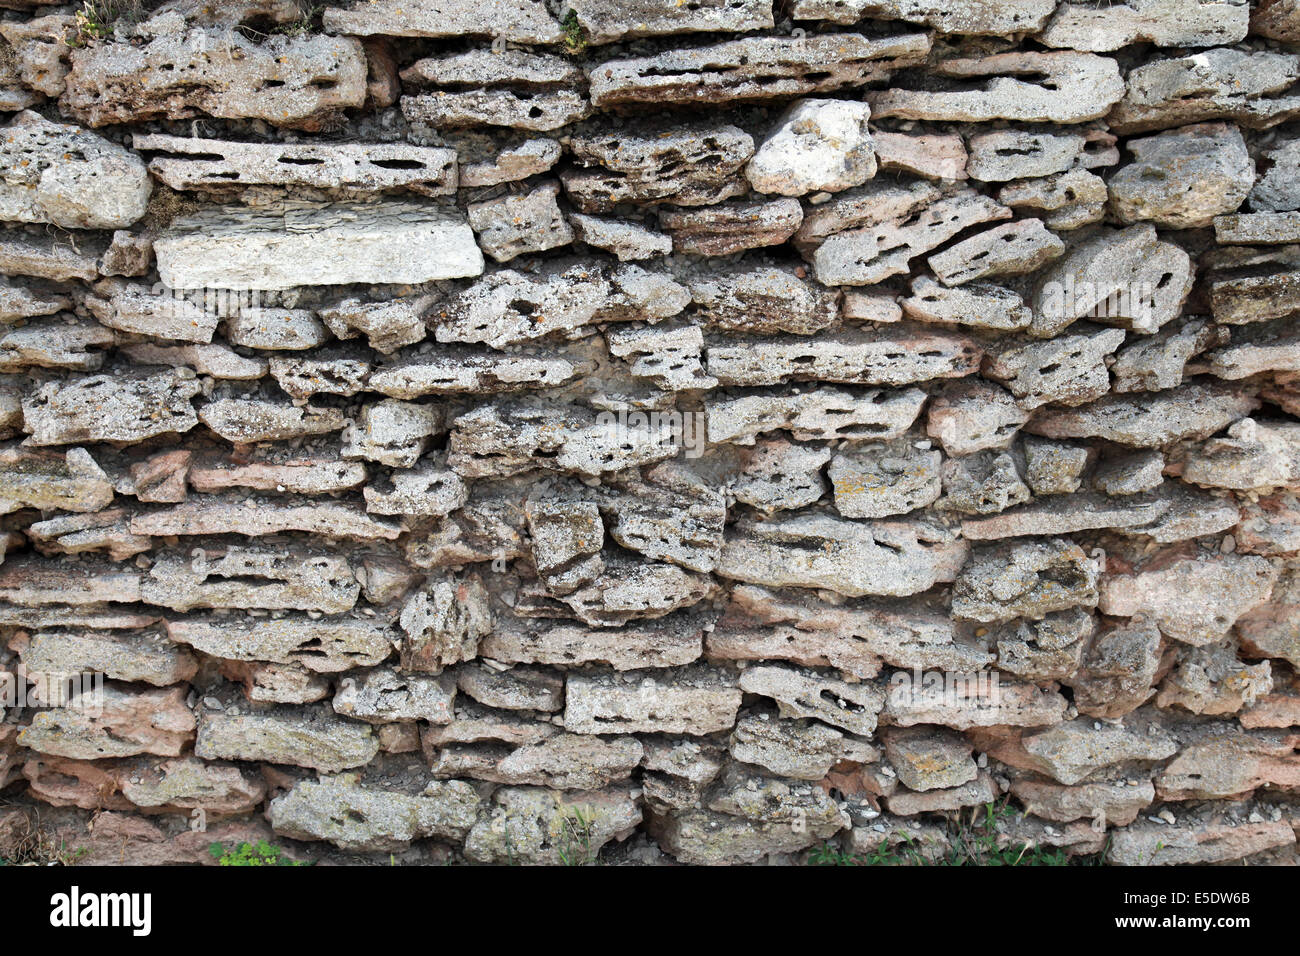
1001,155
817,551
29,581
1195,841
510,307
978,792
429,490
1050,649
134,308
929,758
71,481
629,589
297,244
1213,680
628,241
1119,668
815,146
443,622
973,415
1127,278
571,762
681,525
46,257
1194,410
210,515
507,440
217,361
192,163
1069,370
755,68
1066,201
40,52
761,300
1271,630
1278,187
323,644
878,480
392,433
1255,455
983,483
531,91
453,370
385,695
297,82
867,207
1260,228
1156,363
352,815
667,357
538,826
68,176
54,344
1077,87
514,225
772,818
127,407
730,227
1075,751
1080,26
978,305
1054,468
276,329
139,657
782,475
22,302
1010,249
964,701
603,21
299,474
301,737
1129,473
665,642
803,693
518,688
1027,579
1192,598
981,19
931,155
893,356
246,420
251,577
694,166
1154,187
872,253
1248,88
790,625
124,724
801,749
1118,803
301,378
519,21
692,700
1190,513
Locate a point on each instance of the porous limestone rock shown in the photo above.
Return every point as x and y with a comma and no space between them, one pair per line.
815,146
297,82
1154,187
68,176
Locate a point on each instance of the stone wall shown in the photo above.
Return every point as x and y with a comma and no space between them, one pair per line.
539,432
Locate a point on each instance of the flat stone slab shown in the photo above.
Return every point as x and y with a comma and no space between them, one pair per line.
304,244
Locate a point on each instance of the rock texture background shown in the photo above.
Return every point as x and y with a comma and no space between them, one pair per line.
517,432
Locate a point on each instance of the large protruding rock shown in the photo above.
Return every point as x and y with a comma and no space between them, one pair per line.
68,176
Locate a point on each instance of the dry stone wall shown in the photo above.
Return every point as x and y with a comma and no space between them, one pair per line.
643,431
